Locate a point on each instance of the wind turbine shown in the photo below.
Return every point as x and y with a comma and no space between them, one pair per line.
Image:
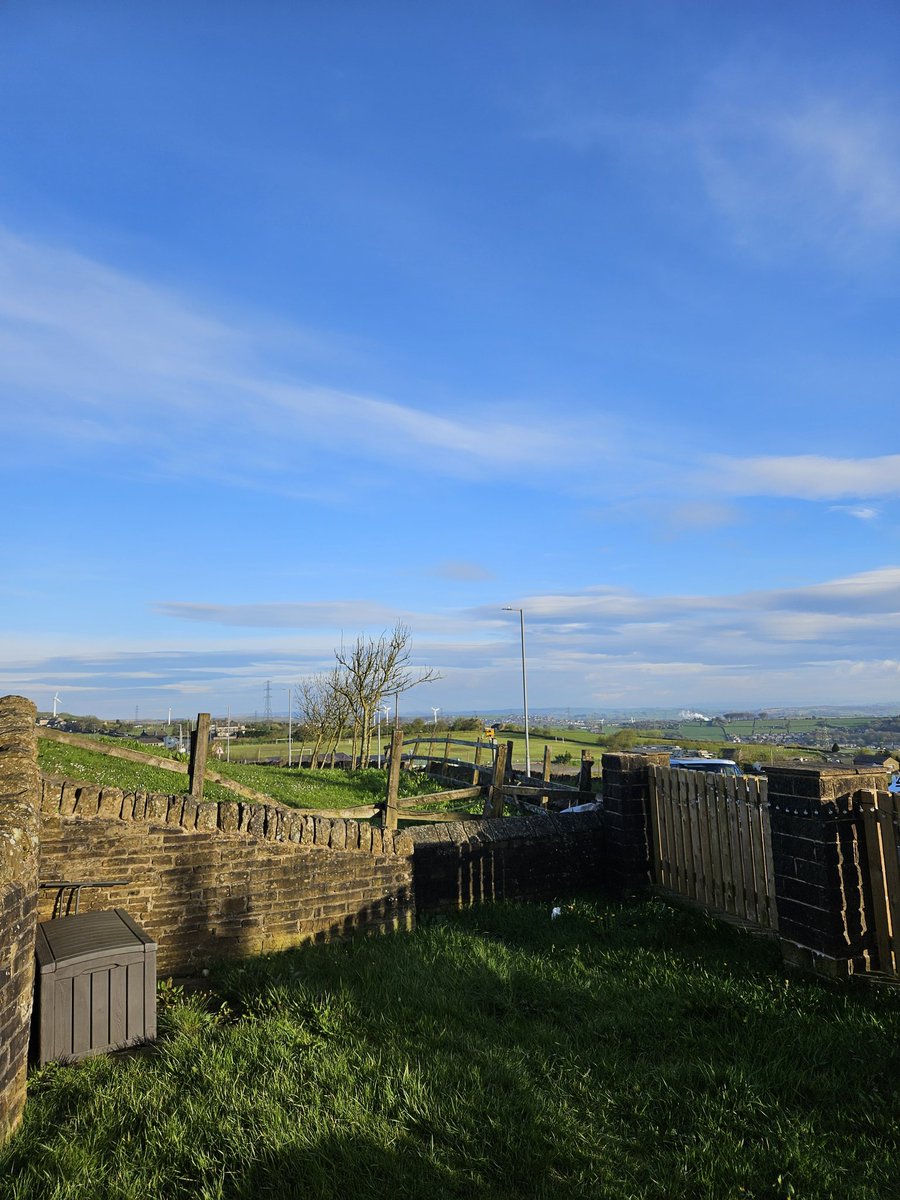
55,702
435,711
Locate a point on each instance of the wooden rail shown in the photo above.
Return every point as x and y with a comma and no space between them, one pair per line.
166,764
467,793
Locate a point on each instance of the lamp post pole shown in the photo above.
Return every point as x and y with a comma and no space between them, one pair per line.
290,729
521,612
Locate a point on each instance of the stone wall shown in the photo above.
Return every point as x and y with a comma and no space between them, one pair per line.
214,880
626,795
19,854
517,858
218,880
821,872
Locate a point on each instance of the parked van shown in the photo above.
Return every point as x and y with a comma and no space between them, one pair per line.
715,766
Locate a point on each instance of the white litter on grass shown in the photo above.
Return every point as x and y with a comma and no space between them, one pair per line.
591,806
554,913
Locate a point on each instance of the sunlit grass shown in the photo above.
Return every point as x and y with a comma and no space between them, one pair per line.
617,1051
300,789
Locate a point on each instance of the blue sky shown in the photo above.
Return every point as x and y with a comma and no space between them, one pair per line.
316,317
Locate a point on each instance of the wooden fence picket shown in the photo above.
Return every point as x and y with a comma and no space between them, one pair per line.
880,813
712,842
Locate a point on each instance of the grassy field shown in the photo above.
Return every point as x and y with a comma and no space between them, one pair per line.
462,746
299,789
690,735
627,1052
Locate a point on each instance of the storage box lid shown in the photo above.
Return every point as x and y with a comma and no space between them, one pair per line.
87,935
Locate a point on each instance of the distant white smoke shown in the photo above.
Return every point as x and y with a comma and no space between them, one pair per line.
686,715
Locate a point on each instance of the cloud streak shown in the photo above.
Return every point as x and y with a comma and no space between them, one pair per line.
333,615
805,477
114,359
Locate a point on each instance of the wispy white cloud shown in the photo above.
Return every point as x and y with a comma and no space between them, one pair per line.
90,355
860,511
789,168
805,476
693,515
462,572
787,165
334,615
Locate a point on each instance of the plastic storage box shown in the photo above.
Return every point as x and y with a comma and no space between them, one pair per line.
95,985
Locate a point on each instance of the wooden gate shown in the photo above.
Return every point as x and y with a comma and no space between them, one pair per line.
712,843
881,830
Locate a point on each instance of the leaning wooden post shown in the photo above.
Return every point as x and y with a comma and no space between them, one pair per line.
393,780
584,779
545,774
199,751
446,756
494,804
475,772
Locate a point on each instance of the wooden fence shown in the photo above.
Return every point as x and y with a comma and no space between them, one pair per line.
712,843
880,812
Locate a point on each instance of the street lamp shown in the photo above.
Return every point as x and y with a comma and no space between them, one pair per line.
521,612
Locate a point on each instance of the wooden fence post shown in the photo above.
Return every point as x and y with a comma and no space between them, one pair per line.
584,778
199,751
545,775
393,780
475,772
494,804
446,756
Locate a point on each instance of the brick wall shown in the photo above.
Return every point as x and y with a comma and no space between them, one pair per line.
518,858
626,793
218,880
821,875
19,784
212,880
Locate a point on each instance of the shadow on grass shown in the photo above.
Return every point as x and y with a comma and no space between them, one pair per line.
621,1051
356,1168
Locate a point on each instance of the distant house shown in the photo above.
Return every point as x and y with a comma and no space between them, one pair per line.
149,739
877,762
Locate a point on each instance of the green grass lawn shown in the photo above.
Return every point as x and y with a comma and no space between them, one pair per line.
617,1052
299,789
462,746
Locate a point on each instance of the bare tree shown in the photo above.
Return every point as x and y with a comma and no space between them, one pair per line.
371,669
322,709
